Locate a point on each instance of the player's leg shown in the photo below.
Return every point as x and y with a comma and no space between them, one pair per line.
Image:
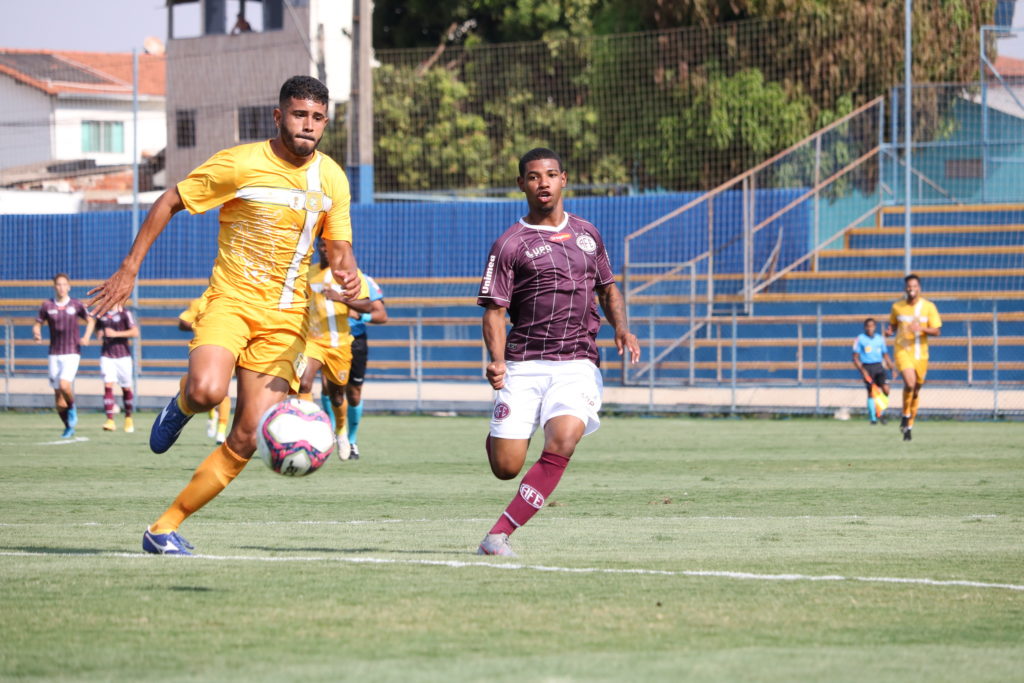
920,372
909,375
354,390
336,398
313,365
256,393
871,401
202,388
108,406
223,418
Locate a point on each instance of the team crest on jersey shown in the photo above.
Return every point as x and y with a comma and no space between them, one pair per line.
560,237
314,201
586,243
501,410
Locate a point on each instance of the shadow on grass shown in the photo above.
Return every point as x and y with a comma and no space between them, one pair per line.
41,550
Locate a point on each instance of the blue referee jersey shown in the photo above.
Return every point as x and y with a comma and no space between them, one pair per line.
869,349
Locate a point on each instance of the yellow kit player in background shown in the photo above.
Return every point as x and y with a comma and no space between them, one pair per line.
276,197
217,424
913,319
329,342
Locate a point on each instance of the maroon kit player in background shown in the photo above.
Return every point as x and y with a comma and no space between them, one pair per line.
544,271
116,328
61,314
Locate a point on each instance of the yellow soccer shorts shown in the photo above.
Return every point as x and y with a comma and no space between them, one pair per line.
336,360
906,361
267,341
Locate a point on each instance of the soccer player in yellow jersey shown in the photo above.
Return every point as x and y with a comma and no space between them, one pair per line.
329,342
276,197
913,320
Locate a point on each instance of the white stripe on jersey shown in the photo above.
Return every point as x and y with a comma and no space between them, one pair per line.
305,239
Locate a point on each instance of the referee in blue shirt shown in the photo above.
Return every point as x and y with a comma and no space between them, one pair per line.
872,360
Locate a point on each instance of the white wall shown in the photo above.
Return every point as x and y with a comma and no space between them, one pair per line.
70,113
24,124
335,16
29,201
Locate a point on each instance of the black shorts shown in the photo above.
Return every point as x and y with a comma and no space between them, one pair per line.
876,371
360,352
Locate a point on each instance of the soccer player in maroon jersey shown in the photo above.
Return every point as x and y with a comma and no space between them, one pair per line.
544,271
116,328
61,314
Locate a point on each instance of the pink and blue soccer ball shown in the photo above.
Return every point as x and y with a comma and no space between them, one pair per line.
295,437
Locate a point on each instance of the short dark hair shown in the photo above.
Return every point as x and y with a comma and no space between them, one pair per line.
912,276
535,154
59,276
870,320
303,88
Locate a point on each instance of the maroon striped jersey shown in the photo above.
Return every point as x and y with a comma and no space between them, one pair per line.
122,320
63,323
546,276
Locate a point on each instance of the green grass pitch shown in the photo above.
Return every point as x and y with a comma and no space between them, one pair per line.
674,549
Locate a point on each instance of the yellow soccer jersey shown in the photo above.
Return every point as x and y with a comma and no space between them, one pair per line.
328,320
913,345
195,309
272,212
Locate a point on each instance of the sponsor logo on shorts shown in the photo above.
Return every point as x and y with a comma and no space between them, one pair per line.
488,275
539,251
560,237
589,400
501,410
586,243
531,495
299,365
511,346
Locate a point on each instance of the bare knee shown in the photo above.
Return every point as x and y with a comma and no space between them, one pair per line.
506,457
203,394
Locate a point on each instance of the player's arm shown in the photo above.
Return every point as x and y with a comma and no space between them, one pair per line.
90,325
889,365
860,367
118,287
37,331
343,266
369,311
495,334
614,308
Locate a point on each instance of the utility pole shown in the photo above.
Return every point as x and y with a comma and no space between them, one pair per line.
360,103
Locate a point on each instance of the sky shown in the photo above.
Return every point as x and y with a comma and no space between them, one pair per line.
88,25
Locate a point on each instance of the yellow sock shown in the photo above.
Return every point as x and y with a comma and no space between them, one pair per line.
913,409
340,415
182,406
224,412
306,396
210,478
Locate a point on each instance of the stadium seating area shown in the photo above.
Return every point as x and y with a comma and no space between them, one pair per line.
798,331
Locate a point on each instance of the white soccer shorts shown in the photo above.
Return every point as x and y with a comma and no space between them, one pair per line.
117,370
63,367
537,390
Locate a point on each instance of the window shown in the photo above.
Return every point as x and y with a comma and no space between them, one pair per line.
103,136
256,123
185,127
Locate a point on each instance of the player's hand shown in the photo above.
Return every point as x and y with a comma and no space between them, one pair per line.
84,341
349,281
37,338
496,374
627,340
116,290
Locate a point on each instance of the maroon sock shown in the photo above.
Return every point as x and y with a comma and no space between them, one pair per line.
536,486
108,402
129,405
63,412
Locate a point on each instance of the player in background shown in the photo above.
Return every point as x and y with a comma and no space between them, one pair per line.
872,361
61,314
116,328
378,315
913,320
276,197
329,343
544,271
217,420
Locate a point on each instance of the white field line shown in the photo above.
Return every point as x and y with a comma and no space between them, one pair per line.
477,520
461,564
61,442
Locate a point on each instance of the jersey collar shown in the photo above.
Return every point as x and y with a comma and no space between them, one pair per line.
547,228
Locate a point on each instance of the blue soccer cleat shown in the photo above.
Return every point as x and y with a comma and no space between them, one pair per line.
73,418
68,432
170,543
167,427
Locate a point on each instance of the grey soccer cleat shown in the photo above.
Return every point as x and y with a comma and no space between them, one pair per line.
495,544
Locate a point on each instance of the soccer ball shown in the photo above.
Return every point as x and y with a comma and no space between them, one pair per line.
295,437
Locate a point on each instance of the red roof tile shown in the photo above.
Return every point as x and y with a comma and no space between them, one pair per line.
66,72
